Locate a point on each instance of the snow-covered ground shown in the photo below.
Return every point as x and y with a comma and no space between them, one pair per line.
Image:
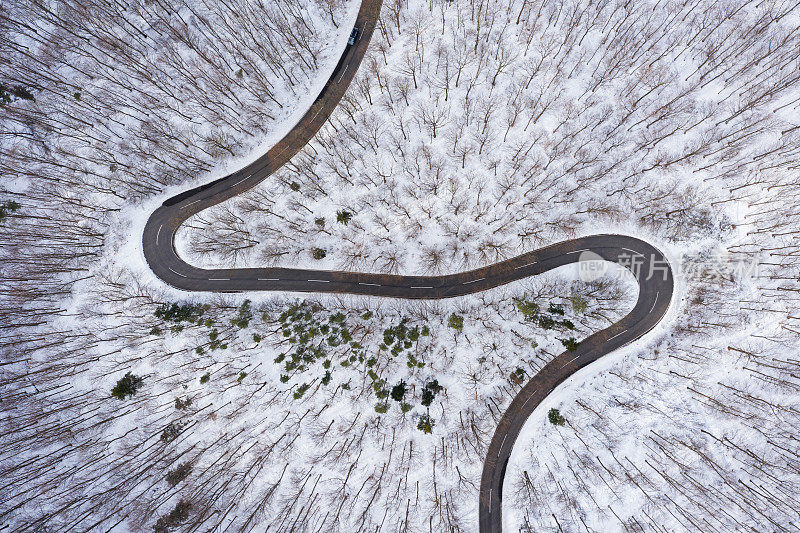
474,131
463,142
479,132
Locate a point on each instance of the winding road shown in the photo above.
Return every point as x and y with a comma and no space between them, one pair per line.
648,265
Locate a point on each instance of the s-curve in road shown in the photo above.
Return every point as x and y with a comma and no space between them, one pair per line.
159,232
647,263
654,275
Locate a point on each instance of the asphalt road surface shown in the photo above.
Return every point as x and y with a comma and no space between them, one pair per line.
654,275
646,262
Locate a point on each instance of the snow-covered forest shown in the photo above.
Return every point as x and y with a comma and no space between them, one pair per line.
474,131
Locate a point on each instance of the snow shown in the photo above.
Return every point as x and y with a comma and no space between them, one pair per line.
696,421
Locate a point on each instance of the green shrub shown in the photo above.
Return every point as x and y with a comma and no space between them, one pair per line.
429,392
126,386
555,418
579,303
301,390
456,322
382,408
399,391
205,378
400,338
546,322
570,344
318,253
177,313
344,217
529,310
244,315
425,424
380,391
17,91
182,404
9,206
